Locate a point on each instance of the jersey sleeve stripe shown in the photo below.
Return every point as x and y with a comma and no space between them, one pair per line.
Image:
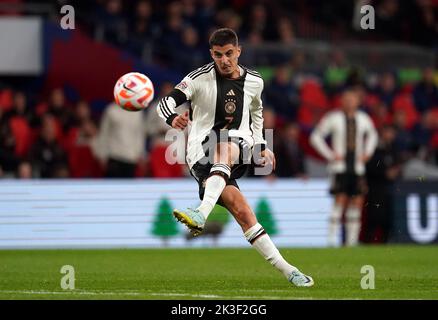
163,109
254,73
204,72
201,71
166,105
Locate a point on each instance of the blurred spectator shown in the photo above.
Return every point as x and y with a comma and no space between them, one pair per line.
24,170
111,24
336,72
423,134
58,108
143,29
78,144
205,17
383,169
229,19
282,95
156,132
388,20
20,108
120,142
8,159
258,21
426,92
20,118
285,30
289,155
386,89
189,55
403,140
46,154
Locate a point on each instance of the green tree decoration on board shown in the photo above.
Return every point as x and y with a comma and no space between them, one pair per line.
264,216
219,214
164,225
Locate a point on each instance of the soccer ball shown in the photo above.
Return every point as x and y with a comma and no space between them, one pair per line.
133,91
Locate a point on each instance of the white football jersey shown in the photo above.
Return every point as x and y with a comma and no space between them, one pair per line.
219,103
334,124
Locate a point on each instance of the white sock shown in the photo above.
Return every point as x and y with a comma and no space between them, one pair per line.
261,241
353,225
335,226
214,186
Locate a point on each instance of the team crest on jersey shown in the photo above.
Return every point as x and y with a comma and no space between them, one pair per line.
230,105
182,85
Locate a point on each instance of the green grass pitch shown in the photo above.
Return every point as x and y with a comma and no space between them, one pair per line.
401,272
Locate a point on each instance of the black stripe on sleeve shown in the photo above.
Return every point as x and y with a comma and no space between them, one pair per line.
178,96
165,112
203,72
166,106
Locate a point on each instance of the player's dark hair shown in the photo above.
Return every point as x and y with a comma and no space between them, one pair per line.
222,37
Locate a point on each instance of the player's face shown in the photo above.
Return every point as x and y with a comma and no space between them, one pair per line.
350,101
226,58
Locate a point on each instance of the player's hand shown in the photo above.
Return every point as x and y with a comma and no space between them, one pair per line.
181,121
338,157
365,158
267,158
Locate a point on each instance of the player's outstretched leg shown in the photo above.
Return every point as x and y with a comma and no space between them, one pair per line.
261,241
258,238
195,219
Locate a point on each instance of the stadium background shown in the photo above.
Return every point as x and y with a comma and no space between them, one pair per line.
56,86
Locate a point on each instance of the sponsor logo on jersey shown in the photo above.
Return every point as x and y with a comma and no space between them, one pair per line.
230,93
182,85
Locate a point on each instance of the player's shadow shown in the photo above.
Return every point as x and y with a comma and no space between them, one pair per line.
212,230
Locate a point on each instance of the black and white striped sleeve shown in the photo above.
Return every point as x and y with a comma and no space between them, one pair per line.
257,118
182,93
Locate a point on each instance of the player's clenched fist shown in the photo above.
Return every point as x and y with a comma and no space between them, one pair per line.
268,158
181,121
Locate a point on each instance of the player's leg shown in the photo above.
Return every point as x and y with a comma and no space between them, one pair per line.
341,200
353,220
225,156
236,203
227,153
357,188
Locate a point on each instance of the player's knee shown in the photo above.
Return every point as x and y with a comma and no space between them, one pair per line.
244,215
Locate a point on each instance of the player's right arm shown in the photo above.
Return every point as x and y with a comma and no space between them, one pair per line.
317,138
167,105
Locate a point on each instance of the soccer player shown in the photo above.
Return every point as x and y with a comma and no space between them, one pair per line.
354,140
225,102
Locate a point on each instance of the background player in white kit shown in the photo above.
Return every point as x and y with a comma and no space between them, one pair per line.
225,102
354,140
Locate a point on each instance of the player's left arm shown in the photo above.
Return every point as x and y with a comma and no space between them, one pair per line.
372,138
256,110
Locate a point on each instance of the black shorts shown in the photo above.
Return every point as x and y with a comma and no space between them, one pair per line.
201,171
348,183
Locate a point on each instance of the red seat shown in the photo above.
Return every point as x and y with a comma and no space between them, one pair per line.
314,103
22,134
159,166
6,99
82,162
404,102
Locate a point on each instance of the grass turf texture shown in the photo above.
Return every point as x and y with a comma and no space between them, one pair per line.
402,272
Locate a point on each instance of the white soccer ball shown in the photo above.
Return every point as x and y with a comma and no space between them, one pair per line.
134,91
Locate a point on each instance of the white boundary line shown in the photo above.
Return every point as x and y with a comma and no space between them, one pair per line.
144,293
